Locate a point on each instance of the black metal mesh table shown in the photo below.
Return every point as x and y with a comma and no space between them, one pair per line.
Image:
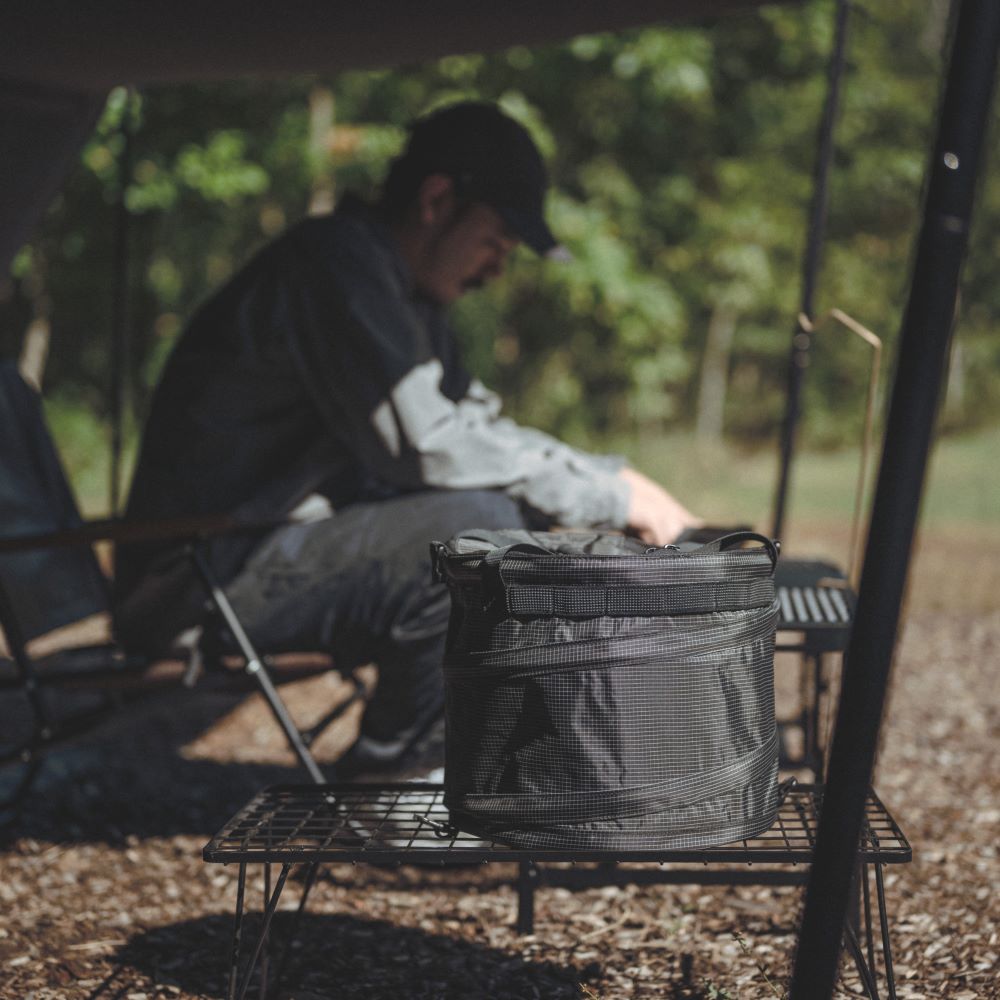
814,598
315,825
410,823
815,611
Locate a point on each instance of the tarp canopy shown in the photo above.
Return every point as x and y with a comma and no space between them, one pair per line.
58,60
101,43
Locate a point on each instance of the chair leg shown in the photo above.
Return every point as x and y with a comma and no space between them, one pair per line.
255,667
358,693
29,753
31,761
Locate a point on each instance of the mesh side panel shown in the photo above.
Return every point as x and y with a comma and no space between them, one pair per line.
46,588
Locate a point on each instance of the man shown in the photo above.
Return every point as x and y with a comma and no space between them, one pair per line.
322,384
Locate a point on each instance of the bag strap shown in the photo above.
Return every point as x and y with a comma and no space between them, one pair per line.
620,803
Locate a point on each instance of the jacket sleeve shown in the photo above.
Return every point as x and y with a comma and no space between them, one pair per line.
367,356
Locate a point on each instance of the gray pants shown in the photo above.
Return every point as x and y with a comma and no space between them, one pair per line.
359,585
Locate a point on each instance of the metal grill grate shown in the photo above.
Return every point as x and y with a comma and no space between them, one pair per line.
813,597
410,823
813,607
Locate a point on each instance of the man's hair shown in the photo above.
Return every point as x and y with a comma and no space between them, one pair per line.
401,186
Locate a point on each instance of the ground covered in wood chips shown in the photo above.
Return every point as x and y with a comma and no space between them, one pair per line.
103,893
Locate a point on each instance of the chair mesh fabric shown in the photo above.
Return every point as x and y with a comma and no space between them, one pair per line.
602,695
47,588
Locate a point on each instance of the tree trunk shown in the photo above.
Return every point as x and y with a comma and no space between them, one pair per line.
321,117
935,32
37,337
711,408
954,396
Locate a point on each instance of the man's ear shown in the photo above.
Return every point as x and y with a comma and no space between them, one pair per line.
435,199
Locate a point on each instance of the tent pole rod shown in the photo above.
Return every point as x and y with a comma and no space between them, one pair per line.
119,305
812,260
921,361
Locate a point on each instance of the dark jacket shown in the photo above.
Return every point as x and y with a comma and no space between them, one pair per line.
318,370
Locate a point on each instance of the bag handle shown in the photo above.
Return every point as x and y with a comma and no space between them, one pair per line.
771,545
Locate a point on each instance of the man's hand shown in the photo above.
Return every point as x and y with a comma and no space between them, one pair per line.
653,514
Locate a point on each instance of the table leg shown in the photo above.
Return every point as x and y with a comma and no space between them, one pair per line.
272,905
234,955
883,916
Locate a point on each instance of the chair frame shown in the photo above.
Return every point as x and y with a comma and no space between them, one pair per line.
47,731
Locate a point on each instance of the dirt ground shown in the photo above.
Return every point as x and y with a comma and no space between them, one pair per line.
104,896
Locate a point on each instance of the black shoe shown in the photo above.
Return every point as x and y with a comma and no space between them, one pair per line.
417,757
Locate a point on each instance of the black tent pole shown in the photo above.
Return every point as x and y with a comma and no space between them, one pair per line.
922,357
120,301
811,262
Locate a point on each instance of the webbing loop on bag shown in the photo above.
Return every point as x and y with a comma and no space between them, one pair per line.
621,803
639,601
494,585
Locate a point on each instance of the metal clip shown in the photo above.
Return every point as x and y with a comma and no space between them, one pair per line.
785,787
444,831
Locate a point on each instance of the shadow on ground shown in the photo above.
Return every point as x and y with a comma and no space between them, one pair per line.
345,957
129,777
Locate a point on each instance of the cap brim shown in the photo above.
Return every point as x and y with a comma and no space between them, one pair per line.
531,229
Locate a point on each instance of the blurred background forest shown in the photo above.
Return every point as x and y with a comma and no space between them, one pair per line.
681,161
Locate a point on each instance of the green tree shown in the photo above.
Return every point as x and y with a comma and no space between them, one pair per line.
681,160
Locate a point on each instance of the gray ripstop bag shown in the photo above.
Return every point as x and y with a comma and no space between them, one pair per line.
603,694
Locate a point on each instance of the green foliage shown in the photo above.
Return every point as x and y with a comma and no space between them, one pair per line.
681,161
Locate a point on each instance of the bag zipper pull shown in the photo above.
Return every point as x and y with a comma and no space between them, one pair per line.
661,548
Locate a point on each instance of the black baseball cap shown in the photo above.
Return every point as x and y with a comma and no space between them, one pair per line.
492,158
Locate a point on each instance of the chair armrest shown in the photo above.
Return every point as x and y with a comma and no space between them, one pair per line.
128,530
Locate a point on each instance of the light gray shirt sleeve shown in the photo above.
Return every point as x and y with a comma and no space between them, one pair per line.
469,445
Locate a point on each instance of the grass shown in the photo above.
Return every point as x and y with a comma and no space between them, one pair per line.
84,445
729,484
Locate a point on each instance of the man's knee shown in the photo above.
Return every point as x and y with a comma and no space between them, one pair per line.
403,566
458,510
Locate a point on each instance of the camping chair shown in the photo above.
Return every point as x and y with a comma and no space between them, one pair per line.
51,579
